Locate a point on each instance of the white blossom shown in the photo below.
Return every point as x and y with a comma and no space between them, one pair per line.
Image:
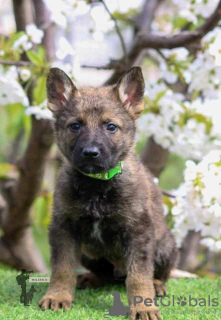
72,70
64,10
10,89
40,112
98,36
180,54
23,43
189,16
64,48
205,8
206,77
190,139
102,20
25,74
35,34
167,74
193,9
212,244
213,38
197,205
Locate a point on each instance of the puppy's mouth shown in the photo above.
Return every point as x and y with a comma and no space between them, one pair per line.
92,166
89,168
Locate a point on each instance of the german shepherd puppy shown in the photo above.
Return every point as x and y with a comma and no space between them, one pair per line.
108,213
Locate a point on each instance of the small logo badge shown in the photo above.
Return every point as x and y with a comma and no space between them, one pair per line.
26,296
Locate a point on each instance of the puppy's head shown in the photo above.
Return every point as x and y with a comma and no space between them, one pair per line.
95,127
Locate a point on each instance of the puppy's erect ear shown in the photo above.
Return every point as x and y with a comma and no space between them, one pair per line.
60,89
131,91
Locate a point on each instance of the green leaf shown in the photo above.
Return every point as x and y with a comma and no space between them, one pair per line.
42,209
15,36
34,57
195,95
27,127
159,96
6,170
42,53
182,120
126,17
15,113
40,93
167,201
203,119
179,72
179,22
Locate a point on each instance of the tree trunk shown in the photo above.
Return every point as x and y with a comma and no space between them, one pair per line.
154,157
23,13
17,247
188,253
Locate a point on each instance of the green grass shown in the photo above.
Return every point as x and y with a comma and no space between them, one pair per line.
88,307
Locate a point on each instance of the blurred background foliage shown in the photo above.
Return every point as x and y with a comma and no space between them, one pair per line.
172,105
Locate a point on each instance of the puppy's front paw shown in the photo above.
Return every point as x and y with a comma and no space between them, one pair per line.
61,300
150,313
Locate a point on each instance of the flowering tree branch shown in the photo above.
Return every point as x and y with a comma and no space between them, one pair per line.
106,67
143,25
117,28
16,63
22,63
144,20
144,40
181,39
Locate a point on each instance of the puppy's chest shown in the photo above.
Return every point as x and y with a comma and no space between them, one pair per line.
99,222
98,204
104,240
97,232
101,232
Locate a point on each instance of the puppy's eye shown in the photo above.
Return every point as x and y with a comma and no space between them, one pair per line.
112,127
74,126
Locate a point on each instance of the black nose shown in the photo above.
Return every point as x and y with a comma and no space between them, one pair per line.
90,152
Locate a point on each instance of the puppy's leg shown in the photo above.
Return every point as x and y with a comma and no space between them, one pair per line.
139,282
164,260
63,278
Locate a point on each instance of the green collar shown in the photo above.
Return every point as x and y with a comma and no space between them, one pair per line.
106,175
